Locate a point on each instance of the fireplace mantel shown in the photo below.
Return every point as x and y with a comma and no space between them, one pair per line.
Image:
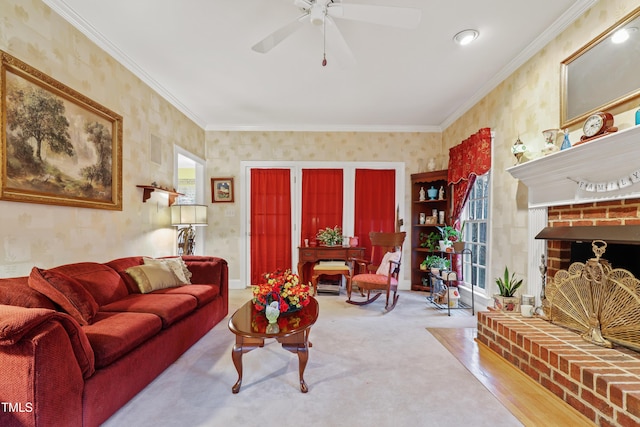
553,180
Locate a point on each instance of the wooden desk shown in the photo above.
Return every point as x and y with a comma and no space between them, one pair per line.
313,254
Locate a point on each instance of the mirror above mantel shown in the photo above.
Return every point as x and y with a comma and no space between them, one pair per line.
555,180
603,74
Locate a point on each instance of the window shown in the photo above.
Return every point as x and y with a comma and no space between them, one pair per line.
476,231
189,180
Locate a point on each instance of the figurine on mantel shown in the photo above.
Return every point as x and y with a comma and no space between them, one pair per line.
441,193
550,136
422,194
565,142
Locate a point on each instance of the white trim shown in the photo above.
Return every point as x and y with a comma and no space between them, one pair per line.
296,187
537,221
290,127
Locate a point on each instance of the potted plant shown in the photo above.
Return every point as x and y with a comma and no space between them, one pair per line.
436,263
330,236
506,300
429,241
449,235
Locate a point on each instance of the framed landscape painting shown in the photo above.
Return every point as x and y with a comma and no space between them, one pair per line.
58,146
221,190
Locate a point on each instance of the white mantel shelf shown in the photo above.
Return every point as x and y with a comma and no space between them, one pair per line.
553,180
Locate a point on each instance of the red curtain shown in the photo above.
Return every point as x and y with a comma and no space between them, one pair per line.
467,160
270,221
375,198
321,201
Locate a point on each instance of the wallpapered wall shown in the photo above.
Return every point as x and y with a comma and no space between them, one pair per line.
525,104
46,236
225,151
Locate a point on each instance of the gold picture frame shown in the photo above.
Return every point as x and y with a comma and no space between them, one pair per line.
58,146
222,190
601,75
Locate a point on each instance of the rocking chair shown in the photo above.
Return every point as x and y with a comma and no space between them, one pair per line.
367,276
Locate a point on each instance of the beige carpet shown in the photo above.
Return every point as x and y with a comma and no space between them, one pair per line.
365,368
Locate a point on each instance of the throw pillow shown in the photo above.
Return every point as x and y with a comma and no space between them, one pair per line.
177,265
386,260
66,292
153,277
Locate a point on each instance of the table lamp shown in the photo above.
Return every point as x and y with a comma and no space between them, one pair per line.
188,216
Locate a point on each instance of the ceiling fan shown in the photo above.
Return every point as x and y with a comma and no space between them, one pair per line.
321,13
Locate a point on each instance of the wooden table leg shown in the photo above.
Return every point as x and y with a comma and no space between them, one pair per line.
303,357
299,344
236,356
243,345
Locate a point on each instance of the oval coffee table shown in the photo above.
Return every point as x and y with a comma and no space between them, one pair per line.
291,330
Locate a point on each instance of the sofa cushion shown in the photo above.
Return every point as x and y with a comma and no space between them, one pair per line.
114,334
104,283
170,308
153,277
176,264
65,291
16,291
204,294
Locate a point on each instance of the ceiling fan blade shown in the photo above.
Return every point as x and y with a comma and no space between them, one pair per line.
401,17
275,38
336,47
302,4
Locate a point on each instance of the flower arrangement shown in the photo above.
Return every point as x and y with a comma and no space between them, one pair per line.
330,236
281,286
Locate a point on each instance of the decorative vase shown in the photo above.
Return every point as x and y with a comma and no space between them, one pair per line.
432,193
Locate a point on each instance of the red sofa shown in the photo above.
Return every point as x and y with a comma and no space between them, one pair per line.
78,341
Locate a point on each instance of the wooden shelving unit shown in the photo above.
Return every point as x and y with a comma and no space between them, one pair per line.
425,180
148,189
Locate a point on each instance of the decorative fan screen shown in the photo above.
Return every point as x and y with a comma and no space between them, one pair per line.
601,303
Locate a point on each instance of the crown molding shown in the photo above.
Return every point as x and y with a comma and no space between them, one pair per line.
284,127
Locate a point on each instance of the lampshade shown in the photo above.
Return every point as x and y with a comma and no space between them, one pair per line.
188,215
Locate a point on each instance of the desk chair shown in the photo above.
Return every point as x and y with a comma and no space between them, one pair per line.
367,276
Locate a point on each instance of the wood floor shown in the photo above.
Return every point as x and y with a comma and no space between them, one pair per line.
527,400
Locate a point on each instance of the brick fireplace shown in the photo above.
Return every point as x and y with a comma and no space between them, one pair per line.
616,213
601,383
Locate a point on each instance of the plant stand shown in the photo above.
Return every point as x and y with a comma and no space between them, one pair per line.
432,298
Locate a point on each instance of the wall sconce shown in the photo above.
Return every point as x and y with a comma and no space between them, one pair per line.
188,216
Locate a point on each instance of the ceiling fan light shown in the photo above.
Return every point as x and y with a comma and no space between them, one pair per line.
317,14
465,37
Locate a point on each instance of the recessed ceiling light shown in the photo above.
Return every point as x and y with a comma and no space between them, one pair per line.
465,37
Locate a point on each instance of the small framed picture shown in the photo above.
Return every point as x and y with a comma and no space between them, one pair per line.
221,190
